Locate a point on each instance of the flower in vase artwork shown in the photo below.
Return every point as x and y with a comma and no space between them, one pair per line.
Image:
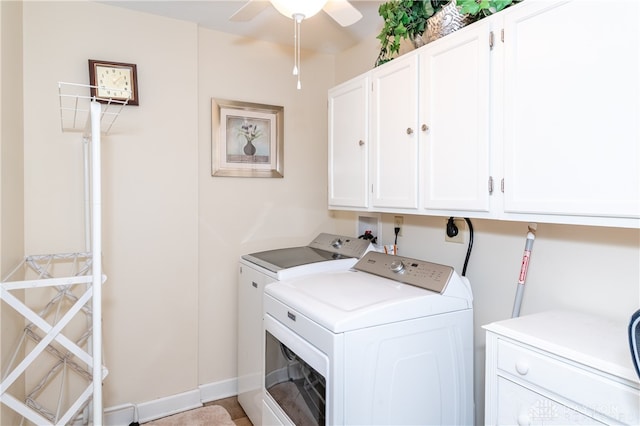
248,142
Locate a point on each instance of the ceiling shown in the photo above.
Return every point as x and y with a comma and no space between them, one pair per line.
319,33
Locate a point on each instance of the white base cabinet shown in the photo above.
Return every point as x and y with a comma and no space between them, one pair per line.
560,368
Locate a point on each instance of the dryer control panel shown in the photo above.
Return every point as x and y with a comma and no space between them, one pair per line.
341,245
419,273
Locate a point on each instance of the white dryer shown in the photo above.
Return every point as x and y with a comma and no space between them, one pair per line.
327,252
388,342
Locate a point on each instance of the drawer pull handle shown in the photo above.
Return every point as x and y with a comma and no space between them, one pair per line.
522,367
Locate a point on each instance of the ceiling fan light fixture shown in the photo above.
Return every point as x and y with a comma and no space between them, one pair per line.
306,8
298,10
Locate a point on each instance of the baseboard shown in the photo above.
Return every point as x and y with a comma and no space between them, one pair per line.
125,414
218,390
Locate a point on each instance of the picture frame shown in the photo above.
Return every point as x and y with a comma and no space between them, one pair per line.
113,81
247,139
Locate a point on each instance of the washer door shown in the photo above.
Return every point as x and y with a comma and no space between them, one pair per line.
295,376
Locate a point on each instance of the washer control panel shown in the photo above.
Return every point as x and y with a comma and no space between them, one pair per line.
419,273
340,244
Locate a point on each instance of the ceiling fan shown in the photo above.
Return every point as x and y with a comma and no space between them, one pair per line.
341,11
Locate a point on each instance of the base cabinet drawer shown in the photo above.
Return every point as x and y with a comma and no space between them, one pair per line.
594,391
560,368
521,406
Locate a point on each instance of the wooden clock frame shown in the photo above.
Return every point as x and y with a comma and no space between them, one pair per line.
93,63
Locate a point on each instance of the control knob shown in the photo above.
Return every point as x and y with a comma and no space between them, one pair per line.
337,243
397,266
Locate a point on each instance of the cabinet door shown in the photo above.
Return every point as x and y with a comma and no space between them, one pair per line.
572,102
348,144
394,134
454,106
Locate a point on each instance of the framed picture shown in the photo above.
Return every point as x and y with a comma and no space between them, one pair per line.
247,139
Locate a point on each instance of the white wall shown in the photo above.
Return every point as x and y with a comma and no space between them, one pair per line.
150,185
590,269
172,233
11,180
245,215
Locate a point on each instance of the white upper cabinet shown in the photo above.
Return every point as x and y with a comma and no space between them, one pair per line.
395,134
349,144
541,124
572,111
454,107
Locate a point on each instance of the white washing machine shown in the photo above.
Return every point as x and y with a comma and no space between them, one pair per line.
388,342
327,252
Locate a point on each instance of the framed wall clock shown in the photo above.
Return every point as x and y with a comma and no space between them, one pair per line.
113,80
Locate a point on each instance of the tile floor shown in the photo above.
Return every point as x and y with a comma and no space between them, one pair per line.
232,405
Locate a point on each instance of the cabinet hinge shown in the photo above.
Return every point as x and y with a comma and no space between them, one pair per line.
502,35
490,185
502,185
491,40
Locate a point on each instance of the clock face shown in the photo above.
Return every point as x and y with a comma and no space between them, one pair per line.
114,82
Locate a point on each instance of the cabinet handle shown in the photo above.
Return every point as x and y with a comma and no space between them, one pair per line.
409,131
360,142
425,127
522,367
254,284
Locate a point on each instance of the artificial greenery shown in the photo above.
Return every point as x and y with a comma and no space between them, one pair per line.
407,19
482,8
403,19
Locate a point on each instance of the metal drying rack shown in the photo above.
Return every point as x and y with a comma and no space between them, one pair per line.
76,280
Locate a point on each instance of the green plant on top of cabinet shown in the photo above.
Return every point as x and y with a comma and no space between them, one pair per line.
479,9
403,19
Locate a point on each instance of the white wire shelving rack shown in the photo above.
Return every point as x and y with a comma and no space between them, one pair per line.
64,336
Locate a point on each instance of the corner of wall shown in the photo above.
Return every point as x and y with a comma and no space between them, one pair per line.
11,166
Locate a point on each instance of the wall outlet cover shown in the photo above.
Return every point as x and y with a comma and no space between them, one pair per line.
460,223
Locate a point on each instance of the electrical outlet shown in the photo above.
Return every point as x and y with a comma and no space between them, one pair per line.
460,223
397,223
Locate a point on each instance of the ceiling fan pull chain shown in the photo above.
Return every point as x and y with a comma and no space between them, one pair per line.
296,29
297,19
298,56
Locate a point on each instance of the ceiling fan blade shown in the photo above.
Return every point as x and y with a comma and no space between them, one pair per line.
343,12
249,10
